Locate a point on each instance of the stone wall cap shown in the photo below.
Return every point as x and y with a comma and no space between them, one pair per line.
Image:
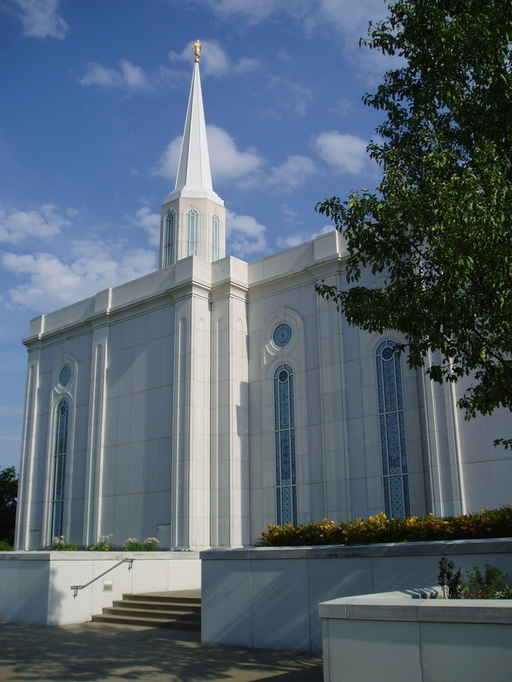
60,555
390,608
432,548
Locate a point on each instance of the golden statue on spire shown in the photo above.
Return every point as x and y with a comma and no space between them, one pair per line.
197,50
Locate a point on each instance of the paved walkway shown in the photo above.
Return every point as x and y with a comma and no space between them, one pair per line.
97,652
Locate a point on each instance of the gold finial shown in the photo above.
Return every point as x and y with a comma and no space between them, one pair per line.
197,50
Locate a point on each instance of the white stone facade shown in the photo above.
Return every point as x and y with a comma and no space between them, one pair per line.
212,397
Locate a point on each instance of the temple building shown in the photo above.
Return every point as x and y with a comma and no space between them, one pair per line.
212,397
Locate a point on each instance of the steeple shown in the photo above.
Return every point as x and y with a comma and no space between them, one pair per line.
193,215
194,166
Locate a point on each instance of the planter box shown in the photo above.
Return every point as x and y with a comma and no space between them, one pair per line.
396,637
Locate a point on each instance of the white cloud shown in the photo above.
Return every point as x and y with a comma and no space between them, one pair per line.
53,283
247,65
226,160
150,222
344,153
347,16
301,237
292,173
347,21
245,236
292,95
43,223
168,162
127,76
351,18
255,12
40,18
290,216
214,61
343,108
288,176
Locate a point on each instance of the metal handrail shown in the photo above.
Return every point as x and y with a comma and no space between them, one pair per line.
75,588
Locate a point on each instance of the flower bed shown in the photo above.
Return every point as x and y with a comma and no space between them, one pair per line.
105,544
486,524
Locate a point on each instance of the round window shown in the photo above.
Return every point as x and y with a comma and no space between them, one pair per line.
387,353
283,376
65,375
282,334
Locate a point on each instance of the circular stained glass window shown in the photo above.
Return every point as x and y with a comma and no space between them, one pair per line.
282,334
283,376
65,375
387,353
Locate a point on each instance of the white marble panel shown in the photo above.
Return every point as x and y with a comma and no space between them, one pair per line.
34,593
124,420
10,591
359,498
404,572
123,471
272,586
394,647
469,652
374,487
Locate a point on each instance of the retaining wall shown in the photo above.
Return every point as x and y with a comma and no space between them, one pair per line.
35,587
268,597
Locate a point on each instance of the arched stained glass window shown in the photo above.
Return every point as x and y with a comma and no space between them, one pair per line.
215,237
59,467
286,482
169,239
392,431
192,225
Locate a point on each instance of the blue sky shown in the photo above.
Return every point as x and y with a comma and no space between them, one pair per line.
93,103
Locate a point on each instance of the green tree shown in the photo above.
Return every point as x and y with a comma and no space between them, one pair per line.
439,227
8,499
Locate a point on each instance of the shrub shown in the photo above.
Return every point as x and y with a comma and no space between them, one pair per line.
379,528
490,585
60,544
150,545
450,582
5,547
104,544
132,545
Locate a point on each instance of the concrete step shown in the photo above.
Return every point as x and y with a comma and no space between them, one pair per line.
179,610
182,597
148,613
158,606
146,622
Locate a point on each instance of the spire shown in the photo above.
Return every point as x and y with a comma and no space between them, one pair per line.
193,216
194,172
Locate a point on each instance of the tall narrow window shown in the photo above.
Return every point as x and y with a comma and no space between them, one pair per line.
59,467
215,237
286,488
192,223
169,239
392,431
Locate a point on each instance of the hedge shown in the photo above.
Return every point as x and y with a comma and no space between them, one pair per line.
486,524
